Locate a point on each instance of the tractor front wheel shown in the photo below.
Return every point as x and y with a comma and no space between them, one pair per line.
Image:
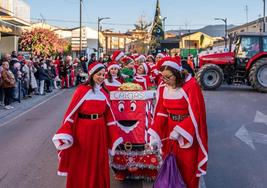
210,77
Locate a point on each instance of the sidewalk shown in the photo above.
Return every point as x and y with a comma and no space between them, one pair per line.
26,104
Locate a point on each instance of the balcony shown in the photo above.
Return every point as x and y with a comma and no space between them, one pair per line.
16,12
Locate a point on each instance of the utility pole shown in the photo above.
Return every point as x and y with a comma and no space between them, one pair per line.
80,49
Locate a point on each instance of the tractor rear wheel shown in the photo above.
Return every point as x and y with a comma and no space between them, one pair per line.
258,75
210,77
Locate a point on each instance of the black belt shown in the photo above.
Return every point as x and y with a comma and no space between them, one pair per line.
89,116
179,118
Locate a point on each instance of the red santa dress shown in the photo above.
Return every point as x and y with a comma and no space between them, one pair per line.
114,85
183,110
83,140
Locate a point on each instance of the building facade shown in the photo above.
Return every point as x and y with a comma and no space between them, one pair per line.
14,14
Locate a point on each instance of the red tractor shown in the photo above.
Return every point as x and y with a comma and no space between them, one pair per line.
247,64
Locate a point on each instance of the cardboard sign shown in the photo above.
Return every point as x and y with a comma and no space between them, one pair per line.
132,95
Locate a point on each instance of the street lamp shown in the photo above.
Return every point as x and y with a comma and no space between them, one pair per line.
225,27
98,29
263,29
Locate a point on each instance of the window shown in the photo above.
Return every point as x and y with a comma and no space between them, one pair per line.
248,47
264,44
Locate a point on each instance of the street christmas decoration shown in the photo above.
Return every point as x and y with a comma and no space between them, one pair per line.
133,111
41,41
157,32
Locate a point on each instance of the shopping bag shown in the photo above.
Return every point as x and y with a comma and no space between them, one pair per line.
169,175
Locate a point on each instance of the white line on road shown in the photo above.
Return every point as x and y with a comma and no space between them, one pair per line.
1,125
260,118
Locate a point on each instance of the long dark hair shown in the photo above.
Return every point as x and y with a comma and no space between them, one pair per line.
180,76
110,76
91,81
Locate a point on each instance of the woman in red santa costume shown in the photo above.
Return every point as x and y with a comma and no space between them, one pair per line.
114,78
87,133
180,115
155,73
142,76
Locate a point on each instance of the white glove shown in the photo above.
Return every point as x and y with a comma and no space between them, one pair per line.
153,143
174,135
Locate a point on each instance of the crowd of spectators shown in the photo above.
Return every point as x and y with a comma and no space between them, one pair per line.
22,78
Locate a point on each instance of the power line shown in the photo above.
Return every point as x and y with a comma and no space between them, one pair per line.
120,24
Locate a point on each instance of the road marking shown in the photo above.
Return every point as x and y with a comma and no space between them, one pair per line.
3,124
260,118
250,137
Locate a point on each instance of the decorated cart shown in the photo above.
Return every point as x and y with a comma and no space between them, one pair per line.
133,111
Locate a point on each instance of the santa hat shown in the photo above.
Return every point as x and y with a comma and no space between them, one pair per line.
126,60
147,68
94,66
161,55
117,55
170,62
150,56
113,64
140,57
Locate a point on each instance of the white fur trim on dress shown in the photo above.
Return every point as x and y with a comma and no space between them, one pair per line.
173,65
62,173
66,138
155,136
120,55
205,159
184,134
70,120
162,114
115,145
111,123
95,68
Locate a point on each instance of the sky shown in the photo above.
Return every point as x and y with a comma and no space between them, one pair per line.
181,14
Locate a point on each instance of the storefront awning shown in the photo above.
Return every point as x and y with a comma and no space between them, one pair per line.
7,29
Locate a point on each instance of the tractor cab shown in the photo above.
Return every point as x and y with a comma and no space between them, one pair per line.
246,47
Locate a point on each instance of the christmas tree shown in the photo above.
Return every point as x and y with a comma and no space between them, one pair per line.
157,32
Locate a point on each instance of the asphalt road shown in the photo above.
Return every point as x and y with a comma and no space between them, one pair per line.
237,128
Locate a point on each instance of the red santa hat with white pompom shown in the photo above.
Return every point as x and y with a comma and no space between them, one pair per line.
94,66
113,64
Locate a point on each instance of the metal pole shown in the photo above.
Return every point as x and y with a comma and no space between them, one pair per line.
80,49
225,21
263,25
98,23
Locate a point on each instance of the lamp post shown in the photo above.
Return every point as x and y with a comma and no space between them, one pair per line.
80,49
98,29
225,27
263,25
